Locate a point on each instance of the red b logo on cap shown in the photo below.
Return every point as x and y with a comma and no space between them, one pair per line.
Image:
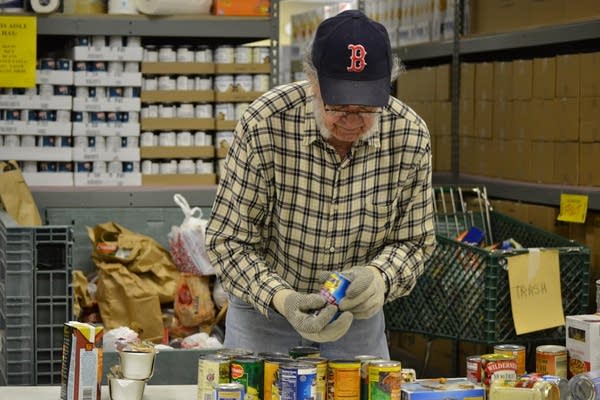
357,58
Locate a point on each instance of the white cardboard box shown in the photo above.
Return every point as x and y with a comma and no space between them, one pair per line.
106,129
105,78
85,53
38,128
106,179
36,153
24,101
48,178
583,343
107,104
53,77
91,154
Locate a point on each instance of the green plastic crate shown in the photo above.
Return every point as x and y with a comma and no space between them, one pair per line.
464,292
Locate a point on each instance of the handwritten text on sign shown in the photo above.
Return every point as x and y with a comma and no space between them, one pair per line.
17,51
535,294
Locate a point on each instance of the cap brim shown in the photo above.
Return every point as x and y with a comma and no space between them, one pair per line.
374,93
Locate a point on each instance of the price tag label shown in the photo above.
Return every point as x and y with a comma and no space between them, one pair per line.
573,208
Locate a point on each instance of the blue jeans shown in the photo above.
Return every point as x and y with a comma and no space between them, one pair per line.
248,329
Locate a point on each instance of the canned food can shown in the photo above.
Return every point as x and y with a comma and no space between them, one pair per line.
343,380
235,352
334,288
185,54
185,110
79,66
150,53
47,64
523,388
260,82
98,116
183,82
409,375
115,41
229,391
223,83
167,53
516,351
148,139
28,141
364,373
202,139
384,380
213,370
98,66
147,170
66,166
225,111
302,351
63,115
184,138
203,54
47,166
243,82
242,55
260,55
46,115
156,167
497,366
271,373
321,364
115,167
204,110
82,166
474,369
64,64
46,89
28,166
585,386
63,90
248,370
80,142
167,139
150,83
224,54
112,116
297,381
551,360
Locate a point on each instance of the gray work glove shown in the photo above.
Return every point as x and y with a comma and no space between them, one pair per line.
365,294
299,309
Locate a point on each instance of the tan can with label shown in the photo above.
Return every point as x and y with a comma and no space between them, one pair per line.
343,380
551,360
515,350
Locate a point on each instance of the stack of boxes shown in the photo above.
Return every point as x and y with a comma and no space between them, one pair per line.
106,110
38,118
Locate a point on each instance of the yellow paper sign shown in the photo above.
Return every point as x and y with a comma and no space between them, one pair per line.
17,51
535,294
573,208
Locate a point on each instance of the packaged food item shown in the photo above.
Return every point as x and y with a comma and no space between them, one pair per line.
583,343
551,360
523,389
585,386
442,389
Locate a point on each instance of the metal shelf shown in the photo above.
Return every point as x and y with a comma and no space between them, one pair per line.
529,192
543,36
425,51
197,26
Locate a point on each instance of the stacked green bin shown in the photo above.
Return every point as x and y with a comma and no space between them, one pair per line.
464,292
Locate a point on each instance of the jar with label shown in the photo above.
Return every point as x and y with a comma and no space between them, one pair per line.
167,139
224,139
224,54
167,111
243,82
150,82
225,111
168,167
260,82
203,54
184,138
150,53
133,41
242,55
185,82
185,53
166,53
167,82
186,167
205,167
203,82
185,110
260,55
202,139
223,83
204,110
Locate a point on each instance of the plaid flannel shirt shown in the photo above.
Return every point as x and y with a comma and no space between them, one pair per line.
288,206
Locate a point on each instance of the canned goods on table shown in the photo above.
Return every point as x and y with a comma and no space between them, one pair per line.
234,352
321,364
304,351
297,381
384,380
585,386
497,366
551,360
229,391
523,389
271,373
474,369
248,370
343,380
365,359
515,350
213,369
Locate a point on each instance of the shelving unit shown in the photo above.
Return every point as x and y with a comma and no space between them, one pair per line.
566,38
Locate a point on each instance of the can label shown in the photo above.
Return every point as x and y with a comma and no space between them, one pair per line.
385,379
298,381
271,375
229,391
551,360
343,380
474,369
497,366
334,288
248,370
516,351
321,364
364,373
212,370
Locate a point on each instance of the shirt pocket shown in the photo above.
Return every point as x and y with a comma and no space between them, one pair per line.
378,215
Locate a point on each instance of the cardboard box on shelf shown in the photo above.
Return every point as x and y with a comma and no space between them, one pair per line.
161,152
566,167
543,217
242,8
590,79
544,78
179,180
466,118
547,12
483,118
522,79
583,343
589,164
467,81
493,16
589,119
568,75
443,153
484,81
582,9
501,119
514,209
503,76
567,111
443,118
178,96
442,82
521,122
542,162
174,68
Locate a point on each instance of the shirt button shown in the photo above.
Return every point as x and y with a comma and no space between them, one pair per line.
332,249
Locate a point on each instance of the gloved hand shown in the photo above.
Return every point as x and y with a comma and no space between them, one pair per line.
365,294
299,309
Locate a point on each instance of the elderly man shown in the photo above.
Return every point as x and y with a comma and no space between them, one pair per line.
328,174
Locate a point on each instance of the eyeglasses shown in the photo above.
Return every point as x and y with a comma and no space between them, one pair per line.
338,113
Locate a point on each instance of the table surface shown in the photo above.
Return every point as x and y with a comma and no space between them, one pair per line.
152,392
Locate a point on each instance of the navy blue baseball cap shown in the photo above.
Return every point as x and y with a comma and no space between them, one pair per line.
353,59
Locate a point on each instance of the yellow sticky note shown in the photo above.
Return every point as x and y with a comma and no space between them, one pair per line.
17,51
535,294
573,208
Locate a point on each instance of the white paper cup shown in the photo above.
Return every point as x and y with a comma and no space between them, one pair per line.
126,389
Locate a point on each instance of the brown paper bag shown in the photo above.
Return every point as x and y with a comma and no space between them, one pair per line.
16,197
132,282
193,302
